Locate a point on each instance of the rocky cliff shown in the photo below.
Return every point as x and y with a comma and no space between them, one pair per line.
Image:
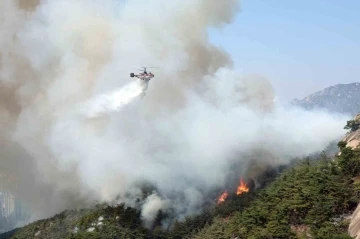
352,140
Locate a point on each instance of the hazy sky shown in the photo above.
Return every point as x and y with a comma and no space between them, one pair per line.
301,46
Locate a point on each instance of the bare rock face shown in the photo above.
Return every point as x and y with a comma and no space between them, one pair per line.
354,227
353,138
357,117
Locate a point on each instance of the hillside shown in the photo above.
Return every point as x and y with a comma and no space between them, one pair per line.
341,98
312,198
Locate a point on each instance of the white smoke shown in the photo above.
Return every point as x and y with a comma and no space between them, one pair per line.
151,207
199,117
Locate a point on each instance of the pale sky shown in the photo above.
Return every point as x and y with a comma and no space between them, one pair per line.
300,46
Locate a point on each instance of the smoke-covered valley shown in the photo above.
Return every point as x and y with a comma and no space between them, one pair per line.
75,130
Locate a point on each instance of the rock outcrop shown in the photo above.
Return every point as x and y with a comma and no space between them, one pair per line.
352,140
354,227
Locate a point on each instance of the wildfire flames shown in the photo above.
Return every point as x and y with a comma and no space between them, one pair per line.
223,197
242,188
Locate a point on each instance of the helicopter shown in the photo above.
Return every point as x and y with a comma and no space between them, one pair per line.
144,75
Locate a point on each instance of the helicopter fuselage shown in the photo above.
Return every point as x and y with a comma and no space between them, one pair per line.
143,75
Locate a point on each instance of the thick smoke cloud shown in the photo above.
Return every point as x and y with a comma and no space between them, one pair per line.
199,118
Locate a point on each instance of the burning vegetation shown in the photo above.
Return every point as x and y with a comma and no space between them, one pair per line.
242,188
223,197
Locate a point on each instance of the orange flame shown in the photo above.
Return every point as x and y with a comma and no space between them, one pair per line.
243,188
223,197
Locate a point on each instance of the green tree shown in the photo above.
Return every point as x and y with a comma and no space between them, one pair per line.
352,125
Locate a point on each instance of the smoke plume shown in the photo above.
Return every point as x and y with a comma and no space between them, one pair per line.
78,132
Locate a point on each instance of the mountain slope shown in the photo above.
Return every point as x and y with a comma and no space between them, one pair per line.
341,98
311,199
